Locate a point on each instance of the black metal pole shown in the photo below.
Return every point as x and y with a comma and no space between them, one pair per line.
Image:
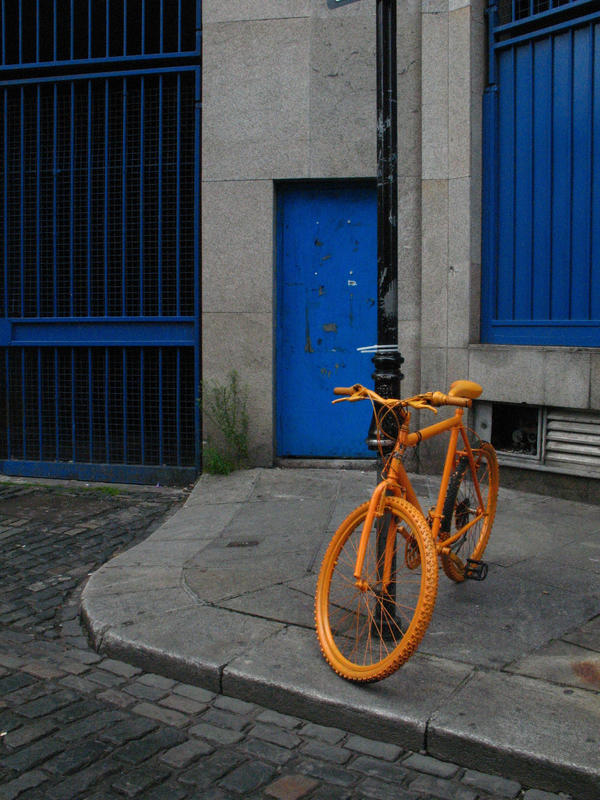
387,174
387,359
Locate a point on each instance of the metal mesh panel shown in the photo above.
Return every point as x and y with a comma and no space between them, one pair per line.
46,31
98,197
99,187
99,405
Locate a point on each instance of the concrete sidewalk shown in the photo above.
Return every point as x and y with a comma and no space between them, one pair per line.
506,680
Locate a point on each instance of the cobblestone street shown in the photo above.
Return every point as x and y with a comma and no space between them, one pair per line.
76,725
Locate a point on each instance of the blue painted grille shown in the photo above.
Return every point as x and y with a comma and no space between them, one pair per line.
541,253
55,31
98,196
99,250
121,406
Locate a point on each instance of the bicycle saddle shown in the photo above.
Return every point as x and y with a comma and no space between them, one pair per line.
468,389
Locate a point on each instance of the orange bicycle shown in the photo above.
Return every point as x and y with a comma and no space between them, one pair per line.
378,581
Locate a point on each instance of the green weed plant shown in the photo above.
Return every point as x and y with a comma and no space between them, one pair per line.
226,406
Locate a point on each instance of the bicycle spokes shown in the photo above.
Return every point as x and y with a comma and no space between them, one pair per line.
366,624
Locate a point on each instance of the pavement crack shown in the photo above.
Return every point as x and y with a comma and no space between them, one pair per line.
443,702
310,569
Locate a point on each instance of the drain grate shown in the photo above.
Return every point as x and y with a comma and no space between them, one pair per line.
249,543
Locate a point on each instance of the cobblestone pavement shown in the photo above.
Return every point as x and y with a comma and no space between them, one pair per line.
75,725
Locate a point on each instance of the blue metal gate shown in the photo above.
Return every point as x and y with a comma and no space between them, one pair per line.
541,226
99,270
326,308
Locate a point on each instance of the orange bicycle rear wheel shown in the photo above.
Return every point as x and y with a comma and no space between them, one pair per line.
368,628
462,505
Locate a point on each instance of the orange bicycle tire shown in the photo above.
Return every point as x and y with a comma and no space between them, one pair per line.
460,497
350,621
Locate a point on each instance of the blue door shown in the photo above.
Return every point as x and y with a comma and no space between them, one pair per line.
326,308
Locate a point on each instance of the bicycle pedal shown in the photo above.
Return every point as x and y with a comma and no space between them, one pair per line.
476,570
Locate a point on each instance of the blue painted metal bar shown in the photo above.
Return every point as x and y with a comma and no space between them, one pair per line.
107,26
40,411
22,201
54,201
161,45
595,207
73,409
54,31
562,154
72,31
161,389
3,43
187,60
541,261
124,202
89,200
23,406
56,406
142,408
38,178
124,408
523,183
198,26
179,25
24,81
526,333
567,322
106,405
5,195
178,405
90,406
141,203
197,306
72,199
94,331
143,16
581,187
490,210
20,13
125,28
8,390
506,168
178,201
159,221
85,471
105,235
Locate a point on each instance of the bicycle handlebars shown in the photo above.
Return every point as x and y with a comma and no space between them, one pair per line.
425,400
343,389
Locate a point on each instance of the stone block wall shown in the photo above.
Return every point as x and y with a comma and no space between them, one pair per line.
289,93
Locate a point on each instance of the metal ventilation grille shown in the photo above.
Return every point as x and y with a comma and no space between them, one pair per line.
573,440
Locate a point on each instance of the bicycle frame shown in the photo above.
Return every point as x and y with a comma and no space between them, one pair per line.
398,483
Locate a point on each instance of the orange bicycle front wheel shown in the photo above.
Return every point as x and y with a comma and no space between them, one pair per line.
370,627
461,506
